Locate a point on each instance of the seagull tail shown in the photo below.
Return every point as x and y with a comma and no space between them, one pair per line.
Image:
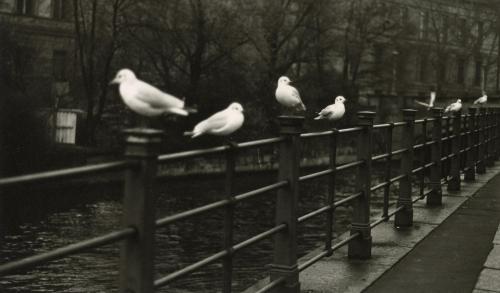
191,110
193,134
178,111
319,117
423,104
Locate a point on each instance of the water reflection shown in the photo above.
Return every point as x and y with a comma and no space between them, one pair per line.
97,210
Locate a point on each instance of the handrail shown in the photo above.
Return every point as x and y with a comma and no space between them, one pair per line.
66,173
480,143
66,250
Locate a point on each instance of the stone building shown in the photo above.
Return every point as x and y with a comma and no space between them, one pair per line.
37,49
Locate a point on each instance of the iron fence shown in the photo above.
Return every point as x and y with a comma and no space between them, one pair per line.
459,144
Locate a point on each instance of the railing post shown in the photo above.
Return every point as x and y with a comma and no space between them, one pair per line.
388,172
404,218
454,182
488,162
496,133
491,141
435,196
137,253
330,220
361,246
470,173
227,263
481,167
285,243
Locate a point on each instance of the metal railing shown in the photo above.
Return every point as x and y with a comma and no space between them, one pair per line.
467,143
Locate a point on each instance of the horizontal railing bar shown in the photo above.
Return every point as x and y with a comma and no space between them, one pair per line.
191,154
313,214
422,196
338,245
349,165
385,125
65,173
66,250
271,285
189,269
378,186
260,142
218,204
400,208
208,260
261,190
327,208
380,157
400,151
347,199
210,151
316,175
259,237
400,123
397,178
316,134
378,222
313,260
352,129
419,121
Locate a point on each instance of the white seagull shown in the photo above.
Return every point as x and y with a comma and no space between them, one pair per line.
454,107
222,123
144,98
481,100
432,99
287,95
334,111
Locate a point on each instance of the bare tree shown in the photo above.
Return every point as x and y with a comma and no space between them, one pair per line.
98,30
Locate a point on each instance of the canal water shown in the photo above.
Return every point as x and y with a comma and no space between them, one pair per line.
52,217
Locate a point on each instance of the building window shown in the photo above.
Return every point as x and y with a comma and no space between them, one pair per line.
461,71
41,8
443,70
25,7
60,9
59,65
478,73
423,26
421,67
44,8
7,6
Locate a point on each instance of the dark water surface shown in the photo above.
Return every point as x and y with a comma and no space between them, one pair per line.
54,217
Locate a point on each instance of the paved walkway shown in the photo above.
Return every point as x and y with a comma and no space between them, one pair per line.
444,251
451,257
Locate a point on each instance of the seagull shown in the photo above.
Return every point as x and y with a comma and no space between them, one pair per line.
432,99
222,123
454,107
145,99
287,95
334,111
481,100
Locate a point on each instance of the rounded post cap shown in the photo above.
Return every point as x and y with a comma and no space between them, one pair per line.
437,112
291,124
365,117
142,142
409,114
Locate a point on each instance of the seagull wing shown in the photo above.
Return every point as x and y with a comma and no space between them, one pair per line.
422,103
156,98
216,121
295,94
327,110
432,100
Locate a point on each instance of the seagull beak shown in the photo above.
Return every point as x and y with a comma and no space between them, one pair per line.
114,81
